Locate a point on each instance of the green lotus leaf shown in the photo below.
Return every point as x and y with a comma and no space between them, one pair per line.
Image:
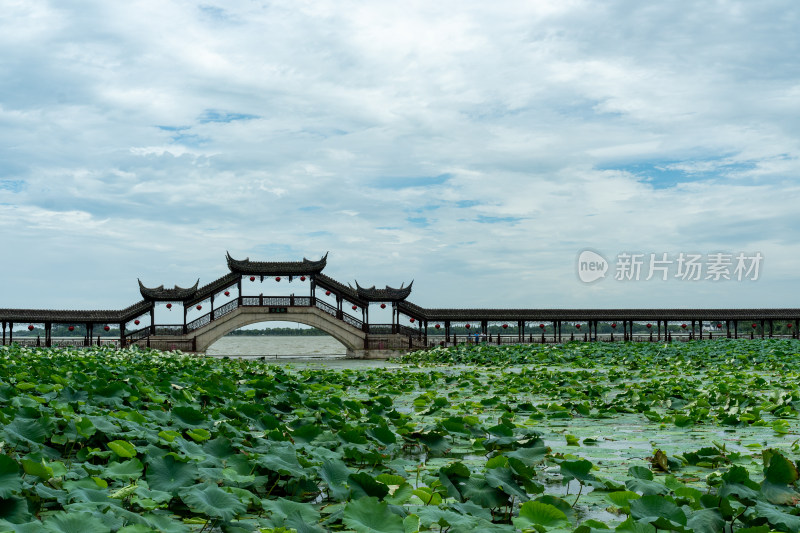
706,521
503,479
579,470
24,431
444,518
281,509
481,493
213,502
777,516
188,416
169,475
74,522
122,448
283,460
335,475
198,434
10,480
659,511
632,526
363,485
131,469
14,510
622,498
368,515
532,514
37,468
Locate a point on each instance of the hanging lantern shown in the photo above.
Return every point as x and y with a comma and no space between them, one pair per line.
383,306
505,326
199,307
541,326
411,319
614,325
277,278
327,293
789,325
649,325
136,322
755,326
30,328
227,293
169,306
355,307
106,328
683,326
578,326
71,328
719,325
437,326
467,326
302,278
252,278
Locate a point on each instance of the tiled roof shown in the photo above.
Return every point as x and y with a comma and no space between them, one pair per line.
160,294
274,268
383,295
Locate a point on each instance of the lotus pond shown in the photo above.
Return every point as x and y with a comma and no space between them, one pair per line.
699,436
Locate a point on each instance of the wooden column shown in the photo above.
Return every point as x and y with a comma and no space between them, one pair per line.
762,328
447,331
4,332
735,329
152,318
48,328
122,334
728,328
10,333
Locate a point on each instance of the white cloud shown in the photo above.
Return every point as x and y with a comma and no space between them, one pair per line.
145,139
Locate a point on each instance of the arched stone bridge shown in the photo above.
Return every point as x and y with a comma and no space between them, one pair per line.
224,305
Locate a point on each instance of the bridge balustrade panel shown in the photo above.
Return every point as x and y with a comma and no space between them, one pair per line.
173,329
225,309
198,323
353,321
326,307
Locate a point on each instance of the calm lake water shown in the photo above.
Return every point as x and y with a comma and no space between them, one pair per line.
322,352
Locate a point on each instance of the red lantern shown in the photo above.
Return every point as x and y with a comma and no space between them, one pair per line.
252,278
277,278
437,326
614,325
541,326
411,319
135,322
755,326
199,307
30,328
683,326
227,293
578,326
719,325
789,325
383,306
169,306
505,326
71,328
467,326
355,307
327,293
302,278
106,328
649,325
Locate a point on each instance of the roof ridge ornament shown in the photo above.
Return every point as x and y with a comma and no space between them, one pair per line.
161,294
389,294
275,268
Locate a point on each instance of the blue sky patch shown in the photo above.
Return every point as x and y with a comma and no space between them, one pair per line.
12,185
421,222
483,219
406,183
215,115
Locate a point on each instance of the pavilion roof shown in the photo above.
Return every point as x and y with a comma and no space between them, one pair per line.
276,268
160,294
388,294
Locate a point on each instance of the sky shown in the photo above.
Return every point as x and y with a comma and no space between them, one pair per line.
474,147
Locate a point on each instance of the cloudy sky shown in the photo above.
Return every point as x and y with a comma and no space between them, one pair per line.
475,147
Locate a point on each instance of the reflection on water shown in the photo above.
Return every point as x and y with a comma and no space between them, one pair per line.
295,346
307,352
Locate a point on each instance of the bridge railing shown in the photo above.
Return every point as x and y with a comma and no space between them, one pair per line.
133,336
328,308
169,329
225,309
353,321
198,322
381,329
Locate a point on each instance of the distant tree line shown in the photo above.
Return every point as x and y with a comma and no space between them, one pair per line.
277,332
